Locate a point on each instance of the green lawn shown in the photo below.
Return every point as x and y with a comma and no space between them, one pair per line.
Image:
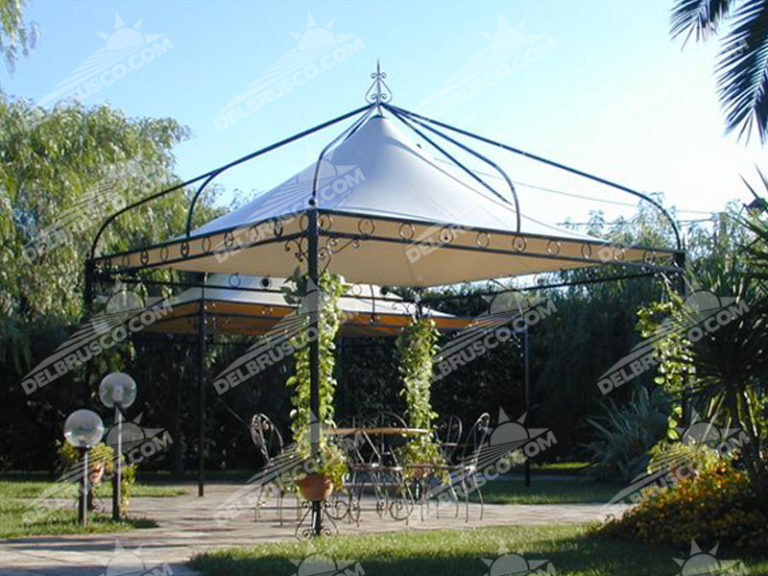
15,522
571,550
548,491
21,515
24,488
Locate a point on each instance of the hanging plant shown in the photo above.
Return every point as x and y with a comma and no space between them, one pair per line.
417,345
330,461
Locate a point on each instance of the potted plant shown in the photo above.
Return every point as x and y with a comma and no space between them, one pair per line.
100,463
328,466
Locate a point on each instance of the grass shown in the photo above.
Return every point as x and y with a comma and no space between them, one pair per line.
26,488
572,550
21,515
548,491
18,519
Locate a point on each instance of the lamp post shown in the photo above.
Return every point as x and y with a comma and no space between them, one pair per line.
117,390
83,429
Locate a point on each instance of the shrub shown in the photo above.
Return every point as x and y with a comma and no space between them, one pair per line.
716,506
625,433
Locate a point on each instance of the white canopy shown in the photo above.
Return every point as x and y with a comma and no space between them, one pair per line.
389,215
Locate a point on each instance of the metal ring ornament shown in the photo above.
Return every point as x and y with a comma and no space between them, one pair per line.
447,235
206,245
553,247
407,231
483,239
519,243
184,249
254,234
325,221
144,256
277,227
234,280
586,251
649,257
366,226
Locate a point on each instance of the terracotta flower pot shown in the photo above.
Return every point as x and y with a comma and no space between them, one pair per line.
315,487
95,474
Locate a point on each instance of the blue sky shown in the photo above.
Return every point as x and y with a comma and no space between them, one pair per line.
595,84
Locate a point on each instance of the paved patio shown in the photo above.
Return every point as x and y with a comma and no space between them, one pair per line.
188,524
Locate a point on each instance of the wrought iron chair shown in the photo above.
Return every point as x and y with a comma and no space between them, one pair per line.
270,445
467,469
449,433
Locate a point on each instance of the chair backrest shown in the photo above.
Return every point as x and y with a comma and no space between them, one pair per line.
476,439
266,437
449,433
450,430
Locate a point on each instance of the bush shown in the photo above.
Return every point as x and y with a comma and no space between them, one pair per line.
625,433
716,506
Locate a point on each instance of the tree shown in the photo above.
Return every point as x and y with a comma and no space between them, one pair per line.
15,35
62,172
742,65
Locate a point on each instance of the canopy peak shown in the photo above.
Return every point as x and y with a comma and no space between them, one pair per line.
378,92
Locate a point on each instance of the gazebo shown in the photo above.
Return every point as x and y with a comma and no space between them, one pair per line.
377,208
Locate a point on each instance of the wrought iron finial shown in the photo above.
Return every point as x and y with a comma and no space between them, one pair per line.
379,92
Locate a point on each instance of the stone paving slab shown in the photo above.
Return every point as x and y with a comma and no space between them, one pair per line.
188,525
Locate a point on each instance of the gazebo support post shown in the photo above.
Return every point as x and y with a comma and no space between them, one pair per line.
314,355
527,387
201,342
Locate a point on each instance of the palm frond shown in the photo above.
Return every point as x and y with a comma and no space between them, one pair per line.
743,70
699,17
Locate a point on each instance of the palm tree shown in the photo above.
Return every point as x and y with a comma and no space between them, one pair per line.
742,66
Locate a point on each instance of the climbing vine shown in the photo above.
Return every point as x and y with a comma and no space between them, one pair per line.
331,460
417,345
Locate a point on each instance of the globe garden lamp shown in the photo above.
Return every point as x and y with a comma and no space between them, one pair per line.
117,390
83,429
